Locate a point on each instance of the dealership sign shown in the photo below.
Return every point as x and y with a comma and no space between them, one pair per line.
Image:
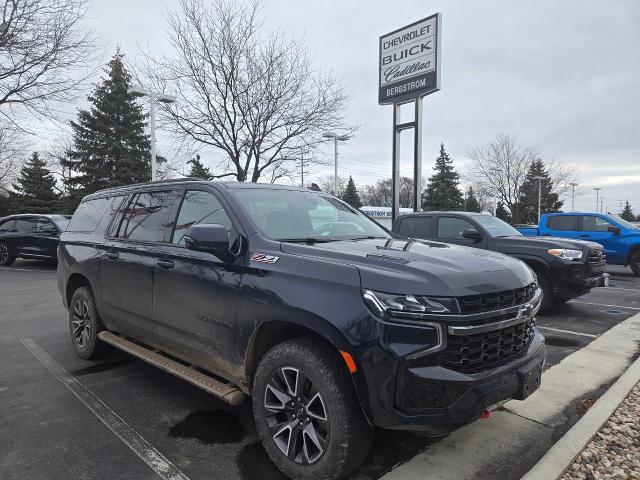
410,61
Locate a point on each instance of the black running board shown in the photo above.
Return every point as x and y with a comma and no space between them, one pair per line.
224,391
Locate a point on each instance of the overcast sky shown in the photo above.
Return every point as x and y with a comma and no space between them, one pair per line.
563,75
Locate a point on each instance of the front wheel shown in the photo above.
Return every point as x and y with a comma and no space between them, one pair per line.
307,413
6,256
635,263
547,293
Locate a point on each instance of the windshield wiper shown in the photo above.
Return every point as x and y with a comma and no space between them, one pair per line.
307,240
368,237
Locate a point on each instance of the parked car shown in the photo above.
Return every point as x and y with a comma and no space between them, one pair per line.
30,236
565,268
620,239
294,298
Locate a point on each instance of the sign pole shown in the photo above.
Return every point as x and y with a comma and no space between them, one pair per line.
395,175
417,157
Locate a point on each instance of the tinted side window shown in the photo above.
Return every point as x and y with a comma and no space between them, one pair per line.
88,215
45,226
416,227
452,228
561,222
199,207
595,224
147,216
24,225
7,226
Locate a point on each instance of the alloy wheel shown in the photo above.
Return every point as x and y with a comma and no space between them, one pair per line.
4,253
296,415
81,322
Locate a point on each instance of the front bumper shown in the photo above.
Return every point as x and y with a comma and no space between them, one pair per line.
574,279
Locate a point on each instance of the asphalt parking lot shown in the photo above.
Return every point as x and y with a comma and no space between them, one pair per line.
46,432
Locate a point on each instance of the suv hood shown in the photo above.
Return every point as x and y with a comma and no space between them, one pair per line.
546,243
421,267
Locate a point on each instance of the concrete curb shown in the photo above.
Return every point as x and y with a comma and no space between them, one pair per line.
562,454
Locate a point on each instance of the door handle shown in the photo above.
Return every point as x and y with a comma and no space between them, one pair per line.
112,255
166,264
585,236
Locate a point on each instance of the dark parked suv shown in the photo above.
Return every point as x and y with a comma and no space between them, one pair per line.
30,236
294,298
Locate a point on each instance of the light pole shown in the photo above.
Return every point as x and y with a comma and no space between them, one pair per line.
336,138
539,178
573,195
597,189
141,92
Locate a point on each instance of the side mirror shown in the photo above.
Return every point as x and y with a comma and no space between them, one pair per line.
614,230
210,238
472,234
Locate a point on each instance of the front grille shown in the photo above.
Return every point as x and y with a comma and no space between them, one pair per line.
486,302
597,258
483,351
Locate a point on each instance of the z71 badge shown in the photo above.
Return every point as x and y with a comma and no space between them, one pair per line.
264,258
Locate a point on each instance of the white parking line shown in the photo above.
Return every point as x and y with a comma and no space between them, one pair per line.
603,305
559,330
626,289
152,457
26,270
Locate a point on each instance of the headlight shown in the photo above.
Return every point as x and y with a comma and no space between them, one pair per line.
407,305
566,254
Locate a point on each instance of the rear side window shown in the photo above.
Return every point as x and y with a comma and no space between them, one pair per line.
561,222
7,226
452,228
88,215
147,217
199,207
45,226
416,227
24,225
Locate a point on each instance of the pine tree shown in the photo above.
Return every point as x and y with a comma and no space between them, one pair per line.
350,194
198,170
443,193
627,213
528,203
502,213
110,147
34,190
472,204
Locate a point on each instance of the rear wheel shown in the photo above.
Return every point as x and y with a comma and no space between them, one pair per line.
6,256
307,413
85,324
635,263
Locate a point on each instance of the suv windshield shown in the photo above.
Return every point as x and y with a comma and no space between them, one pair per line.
496,227
295,215
621,221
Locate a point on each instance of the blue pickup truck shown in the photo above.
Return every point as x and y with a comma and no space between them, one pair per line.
620,239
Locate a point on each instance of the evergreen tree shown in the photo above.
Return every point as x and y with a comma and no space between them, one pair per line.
627,213
472,204
110,147
502,213
198,170
34,190
443,193
350,194
528,202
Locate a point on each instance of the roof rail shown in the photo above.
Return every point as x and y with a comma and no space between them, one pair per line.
168,180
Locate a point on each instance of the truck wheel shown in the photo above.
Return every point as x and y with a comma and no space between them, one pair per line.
635,263
6,257
547,293
307,413
84,325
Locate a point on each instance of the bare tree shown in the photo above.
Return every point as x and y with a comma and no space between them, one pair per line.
327,184
41,49
253,96
13,149
374,194
502,166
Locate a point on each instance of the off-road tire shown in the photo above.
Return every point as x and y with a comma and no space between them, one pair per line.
6,255
350,436
547,293
634,262
82,312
